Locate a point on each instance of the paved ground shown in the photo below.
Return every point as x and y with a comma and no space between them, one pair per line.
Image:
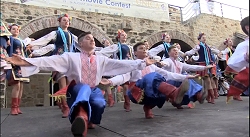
207,120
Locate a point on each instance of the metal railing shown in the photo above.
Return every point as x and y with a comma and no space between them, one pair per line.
197,7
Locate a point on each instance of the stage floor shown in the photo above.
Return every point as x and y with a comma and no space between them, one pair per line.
206,120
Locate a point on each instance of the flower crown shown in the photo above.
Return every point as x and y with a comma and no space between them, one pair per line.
63,15
119,32
226,41
200,35
14,24
163,36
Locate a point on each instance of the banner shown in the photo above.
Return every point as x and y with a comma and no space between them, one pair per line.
147,9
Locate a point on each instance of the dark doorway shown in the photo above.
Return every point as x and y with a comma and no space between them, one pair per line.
184,46
76,32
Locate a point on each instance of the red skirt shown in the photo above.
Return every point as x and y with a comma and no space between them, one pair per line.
205,73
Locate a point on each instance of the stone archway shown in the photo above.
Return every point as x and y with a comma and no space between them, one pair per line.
46,22
176,36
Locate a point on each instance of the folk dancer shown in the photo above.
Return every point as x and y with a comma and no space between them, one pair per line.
166,43
110,101
148,87
64,41
195,92
226,54
239,62
85,71
4,42
205,58
14,76
121,51
181,55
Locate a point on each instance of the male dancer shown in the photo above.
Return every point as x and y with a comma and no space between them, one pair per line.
85,71
172,64
148,86
239,62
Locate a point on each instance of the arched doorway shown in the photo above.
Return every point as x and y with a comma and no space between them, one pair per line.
75,31
43,25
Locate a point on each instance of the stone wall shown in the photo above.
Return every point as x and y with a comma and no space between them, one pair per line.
216,28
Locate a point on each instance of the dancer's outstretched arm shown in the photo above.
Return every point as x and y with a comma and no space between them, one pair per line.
31,66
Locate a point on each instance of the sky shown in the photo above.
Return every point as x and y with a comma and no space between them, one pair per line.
229,12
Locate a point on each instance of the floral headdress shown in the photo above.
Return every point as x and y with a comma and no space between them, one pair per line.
226,41
3,30
63,15
163,36
119,32
14,24
200,35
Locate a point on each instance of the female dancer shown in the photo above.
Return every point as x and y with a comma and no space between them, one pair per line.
121,51
14,76
64,41
226,54
205,58
111,101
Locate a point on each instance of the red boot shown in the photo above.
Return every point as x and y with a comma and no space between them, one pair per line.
148,112
175,94
237,98
111,101
59,104
79,127
127,103
211,96
201,96
216,94
18,109
65,108
14,104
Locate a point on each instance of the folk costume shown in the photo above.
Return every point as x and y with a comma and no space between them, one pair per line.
195,92
120,51
205,58
63,41
238,63
4,38
162,47
86,102
148,87
14,76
